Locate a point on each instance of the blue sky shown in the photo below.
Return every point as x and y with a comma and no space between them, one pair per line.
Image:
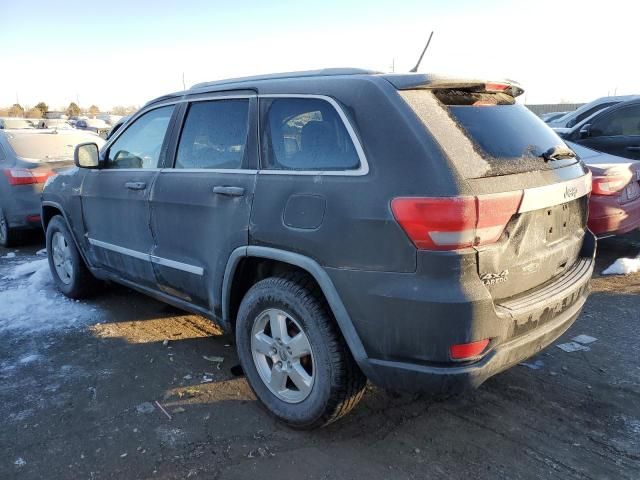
126,52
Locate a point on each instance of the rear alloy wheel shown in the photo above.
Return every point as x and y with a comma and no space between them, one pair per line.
293,354
70,274
282,355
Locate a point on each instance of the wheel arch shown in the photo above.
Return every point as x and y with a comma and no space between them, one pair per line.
51,209
232,281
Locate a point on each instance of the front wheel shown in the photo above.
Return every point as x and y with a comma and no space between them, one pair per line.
70,274
293,355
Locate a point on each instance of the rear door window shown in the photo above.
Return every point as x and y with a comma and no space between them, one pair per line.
305,134
214,135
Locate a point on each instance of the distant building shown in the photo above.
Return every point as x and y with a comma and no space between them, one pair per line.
53,115
553,107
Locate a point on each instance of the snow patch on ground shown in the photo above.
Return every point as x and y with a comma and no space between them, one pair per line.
27,268
29,358
623,266
9,255
30,302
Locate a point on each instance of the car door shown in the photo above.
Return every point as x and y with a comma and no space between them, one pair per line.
115,198
200,207
616,132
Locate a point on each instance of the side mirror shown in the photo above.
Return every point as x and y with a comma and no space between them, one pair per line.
585,131
86,155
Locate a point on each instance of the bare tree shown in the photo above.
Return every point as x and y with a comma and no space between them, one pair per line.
43,107
16,110
73,110
94,110
34,112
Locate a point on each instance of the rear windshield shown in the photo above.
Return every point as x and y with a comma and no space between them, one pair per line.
48,147
506,135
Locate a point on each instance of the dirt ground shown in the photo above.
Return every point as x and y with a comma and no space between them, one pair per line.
79,403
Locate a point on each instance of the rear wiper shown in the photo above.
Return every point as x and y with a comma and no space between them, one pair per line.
558,152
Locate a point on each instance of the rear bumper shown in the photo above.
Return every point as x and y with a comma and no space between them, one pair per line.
608,217
452,379
407,325
23,207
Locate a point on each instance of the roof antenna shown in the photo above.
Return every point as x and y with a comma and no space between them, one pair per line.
415,69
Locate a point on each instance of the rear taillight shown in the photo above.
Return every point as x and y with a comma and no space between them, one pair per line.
610,184
451,223
464,351
25,176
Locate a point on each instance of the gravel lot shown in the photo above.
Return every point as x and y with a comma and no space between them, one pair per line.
79,382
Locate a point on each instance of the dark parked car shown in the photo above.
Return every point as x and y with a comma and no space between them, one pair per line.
424,233
615,131
27,159
95,125
570,119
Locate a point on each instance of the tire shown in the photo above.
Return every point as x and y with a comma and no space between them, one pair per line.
336,383
76,281
9,237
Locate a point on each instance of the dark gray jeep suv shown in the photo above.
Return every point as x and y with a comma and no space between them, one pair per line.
422,232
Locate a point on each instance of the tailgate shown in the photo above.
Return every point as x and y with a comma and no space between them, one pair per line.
500,149
539,243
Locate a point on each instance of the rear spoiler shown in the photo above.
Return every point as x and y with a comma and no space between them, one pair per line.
414,81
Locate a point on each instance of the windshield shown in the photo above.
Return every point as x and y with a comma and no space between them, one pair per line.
48,147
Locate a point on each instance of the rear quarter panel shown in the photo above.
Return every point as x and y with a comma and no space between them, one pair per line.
357,230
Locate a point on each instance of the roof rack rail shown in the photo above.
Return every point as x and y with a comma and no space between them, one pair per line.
277,76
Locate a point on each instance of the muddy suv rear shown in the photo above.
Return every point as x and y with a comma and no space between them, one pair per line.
503,266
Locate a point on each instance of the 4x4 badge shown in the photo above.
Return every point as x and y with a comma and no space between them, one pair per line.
494,278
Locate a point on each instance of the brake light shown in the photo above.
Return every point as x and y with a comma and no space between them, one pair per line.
464,351
496,87
25,176
610,184
451,223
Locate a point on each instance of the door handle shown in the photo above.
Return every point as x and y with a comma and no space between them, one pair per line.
229,191
633,149
135,185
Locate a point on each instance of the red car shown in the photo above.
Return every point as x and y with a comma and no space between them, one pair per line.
614,207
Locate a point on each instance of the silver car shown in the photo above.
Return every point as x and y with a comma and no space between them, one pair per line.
27,159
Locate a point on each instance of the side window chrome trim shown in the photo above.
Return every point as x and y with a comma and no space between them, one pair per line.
363,169
210,170
104,170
